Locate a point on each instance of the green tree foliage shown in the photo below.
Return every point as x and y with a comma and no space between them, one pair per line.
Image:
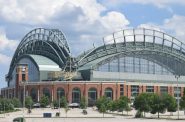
16,102
112,105
44,101
142,102
28,102
157,105
169,102
182,102
63,102
6,105
153,103
103,109
83,103
102,100
55,104
123,104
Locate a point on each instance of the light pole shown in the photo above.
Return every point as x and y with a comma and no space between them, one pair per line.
177,77
59,101
24,97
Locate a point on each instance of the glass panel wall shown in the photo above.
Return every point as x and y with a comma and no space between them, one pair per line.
92,96
60,93
133,65
76,95
109,93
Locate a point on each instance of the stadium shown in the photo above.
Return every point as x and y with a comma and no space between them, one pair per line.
128,62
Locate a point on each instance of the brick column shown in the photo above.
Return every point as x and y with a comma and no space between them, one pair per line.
128,91
182,91
125,90
155,89
140,89
144,88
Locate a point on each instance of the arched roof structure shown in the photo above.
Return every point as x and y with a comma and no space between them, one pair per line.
152,45
50,43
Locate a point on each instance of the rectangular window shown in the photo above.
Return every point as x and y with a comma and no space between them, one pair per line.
121,90
150,89
164,90
23,77
134,90
177,92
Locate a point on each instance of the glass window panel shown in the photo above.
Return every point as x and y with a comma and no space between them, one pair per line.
139,38
129,38
128,32
139,32
148,32
158,34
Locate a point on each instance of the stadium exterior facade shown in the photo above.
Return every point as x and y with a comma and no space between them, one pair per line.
128,63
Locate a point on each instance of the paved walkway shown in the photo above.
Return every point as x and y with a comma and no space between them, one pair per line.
75,115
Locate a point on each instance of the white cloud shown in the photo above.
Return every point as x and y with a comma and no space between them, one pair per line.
114,20
158,3
4,59
5,43
176,25
87,17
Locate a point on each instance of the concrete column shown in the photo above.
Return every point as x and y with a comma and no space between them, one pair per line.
52,94
38,94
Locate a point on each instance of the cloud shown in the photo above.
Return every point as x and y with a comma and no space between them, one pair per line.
173,26
4,59
176,25
5,43
151,26
76,18
158,3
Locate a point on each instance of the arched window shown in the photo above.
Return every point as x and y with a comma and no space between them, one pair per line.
33,94
92,96
46,92
108,93
60,93
76,95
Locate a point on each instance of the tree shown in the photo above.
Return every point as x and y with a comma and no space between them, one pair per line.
16,102
83,103
103,109
182,102
169,102
102,100
156,104
142,103
7,105
28,102
55,103
44,101
66,108
63,102
123,104
112,105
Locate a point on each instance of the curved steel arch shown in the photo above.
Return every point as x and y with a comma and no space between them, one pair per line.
47,42
142,42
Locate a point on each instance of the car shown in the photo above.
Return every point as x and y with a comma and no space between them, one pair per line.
74,105
36,105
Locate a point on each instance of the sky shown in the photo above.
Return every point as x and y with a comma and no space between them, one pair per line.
84,22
